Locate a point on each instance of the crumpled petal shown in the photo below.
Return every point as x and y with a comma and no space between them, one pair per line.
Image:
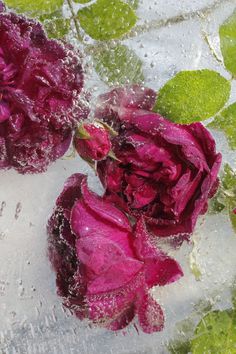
40,79
150,315
104,266
165,171
160,269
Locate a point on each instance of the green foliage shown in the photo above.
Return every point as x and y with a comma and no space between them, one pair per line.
226,121
107,19
35,8
193,96
133,3
225,198
180,347
228,43
118,65
215,333
57,27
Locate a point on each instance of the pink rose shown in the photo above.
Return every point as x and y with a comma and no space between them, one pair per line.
104,267
40,82
92,141
166,171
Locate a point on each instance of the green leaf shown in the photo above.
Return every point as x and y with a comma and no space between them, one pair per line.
216,204
193,96
232,216
133,3
215,333
107,19
226,121
35,7
57,27
228,43
229,180
118,65
179,347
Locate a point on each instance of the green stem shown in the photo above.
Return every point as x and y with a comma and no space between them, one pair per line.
213,52
75,20
156,24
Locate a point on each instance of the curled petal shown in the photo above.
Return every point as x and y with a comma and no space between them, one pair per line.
160,269
150,315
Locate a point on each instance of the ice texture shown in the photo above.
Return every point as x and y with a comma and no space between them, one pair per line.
32,319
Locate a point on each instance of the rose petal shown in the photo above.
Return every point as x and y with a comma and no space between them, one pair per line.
104,209
160,269
150,315
71,191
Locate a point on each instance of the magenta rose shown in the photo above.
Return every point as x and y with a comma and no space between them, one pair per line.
166,171
104,267
92,141
40,82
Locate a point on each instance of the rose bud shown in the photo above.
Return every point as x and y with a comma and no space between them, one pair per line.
104,267
164,171
39,80
92,141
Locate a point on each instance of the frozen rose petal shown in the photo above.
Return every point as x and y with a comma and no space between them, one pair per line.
150,315
175,166
86,223
123,320
104,268
39,80
104,209
160,269
120,99
4,111
71,191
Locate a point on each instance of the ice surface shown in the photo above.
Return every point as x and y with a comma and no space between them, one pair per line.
32,319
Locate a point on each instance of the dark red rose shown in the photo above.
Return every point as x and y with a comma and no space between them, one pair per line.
105,267
166,171
92,141
40,82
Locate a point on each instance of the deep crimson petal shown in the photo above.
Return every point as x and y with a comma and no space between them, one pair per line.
104,267
174,134
150,315
104,209
128,98
40,83
165,171
123,320
160,269
85,223
71,191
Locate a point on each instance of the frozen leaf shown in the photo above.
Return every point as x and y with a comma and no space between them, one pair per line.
229,180
107,19
193,96
225,199
181,347
226,121
232,215
57,27
228,43
215,333
119,65
33,7
133,3
216,204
